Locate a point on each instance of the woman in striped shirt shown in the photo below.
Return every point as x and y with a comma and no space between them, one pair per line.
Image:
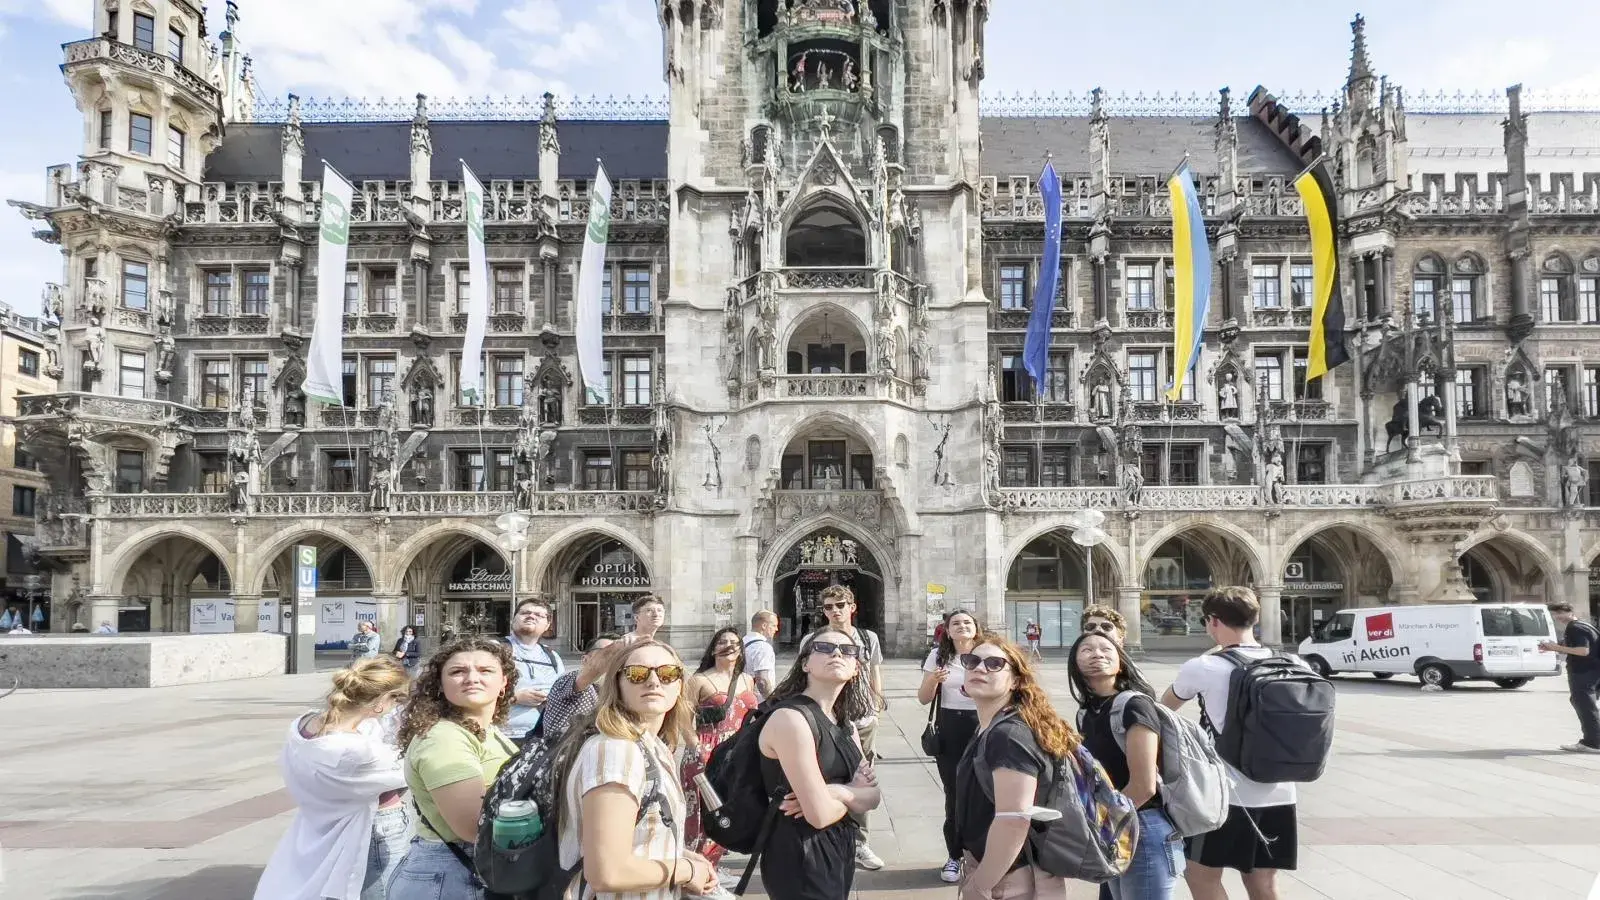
623,807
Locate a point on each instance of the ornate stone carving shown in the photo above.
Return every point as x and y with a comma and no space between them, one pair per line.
1574,484
1516,396
95,346
1228,397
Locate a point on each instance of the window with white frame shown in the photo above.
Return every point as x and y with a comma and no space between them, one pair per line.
463,289
176,141
1141,286
636,381
135,284
380,380
1302,279
140,131
1591,392
130,378
636,290
1269,374
144,32
1471,392
1557,382
352,292
257,292
1589,301
1425,298
214,384
605,291
383,289
1464,298
1305,389
508,289
1554,301
1143,374
1057,386
253,382
507,380
105,129
1013,285
175,45
1266,285
219,293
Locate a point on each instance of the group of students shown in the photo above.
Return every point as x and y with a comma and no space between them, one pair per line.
972,677
366,644
629,730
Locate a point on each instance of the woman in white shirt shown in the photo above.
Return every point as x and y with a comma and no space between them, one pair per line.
955,717
340,770
623,759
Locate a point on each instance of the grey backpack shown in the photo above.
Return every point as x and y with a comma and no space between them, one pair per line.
1194,784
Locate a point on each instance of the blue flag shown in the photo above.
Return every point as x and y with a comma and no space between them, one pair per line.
1036,352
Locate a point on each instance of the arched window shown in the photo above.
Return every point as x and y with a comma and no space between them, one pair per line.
1466,289
1427,286
1589,290
1557,298
825,235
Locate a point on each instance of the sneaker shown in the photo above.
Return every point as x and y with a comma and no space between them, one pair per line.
866,859
1570,748
951,872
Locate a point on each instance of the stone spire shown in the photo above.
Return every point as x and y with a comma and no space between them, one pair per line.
1227,147
294,152
421,160
1360,84
549,147
1518,237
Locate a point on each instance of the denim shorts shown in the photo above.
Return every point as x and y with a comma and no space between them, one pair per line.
391,830
1158,860
431,872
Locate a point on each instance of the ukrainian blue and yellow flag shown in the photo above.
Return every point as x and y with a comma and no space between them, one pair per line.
1191,263
1326,348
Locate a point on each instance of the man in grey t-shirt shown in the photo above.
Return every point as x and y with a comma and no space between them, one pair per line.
760,661
839,606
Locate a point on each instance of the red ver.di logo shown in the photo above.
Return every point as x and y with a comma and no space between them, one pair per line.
1380,627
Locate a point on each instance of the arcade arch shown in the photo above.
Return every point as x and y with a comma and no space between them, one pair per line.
824,556
828,341
1334,568
1509,568
459,582
1046,583
174,584
593,580
344,586
1178,573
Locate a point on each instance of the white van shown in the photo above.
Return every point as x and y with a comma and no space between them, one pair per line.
1438,644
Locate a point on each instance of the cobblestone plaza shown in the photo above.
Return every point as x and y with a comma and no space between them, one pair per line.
824,250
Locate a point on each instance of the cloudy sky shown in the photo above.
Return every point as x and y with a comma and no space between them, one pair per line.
445,48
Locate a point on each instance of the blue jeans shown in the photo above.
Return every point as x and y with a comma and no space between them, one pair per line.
390,832
1158,861
431,872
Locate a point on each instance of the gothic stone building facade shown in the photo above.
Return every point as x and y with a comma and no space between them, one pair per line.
822,260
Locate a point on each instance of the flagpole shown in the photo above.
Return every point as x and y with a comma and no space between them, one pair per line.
1312,165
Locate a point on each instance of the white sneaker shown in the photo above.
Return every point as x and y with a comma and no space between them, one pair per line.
951,872
866,859
1570,748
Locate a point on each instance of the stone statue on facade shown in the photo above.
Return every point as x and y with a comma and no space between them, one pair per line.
381,483
1272,480
549,402
886,354
96,345
239,493
1228,397
525,492
422,405
797,78
166,357
848,77
919,356
849,552
1516,397
1131,480
1574,484
736,361
294,408
662,462
1100,404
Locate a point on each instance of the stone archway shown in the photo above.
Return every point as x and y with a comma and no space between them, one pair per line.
593,578
1332,567
1182,563
457,579
346,581
817,557
1509,567
1046,583
176,583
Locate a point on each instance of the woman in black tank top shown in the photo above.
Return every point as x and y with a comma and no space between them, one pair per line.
808,745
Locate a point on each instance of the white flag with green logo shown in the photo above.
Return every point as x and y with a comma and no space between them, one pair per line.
477,290
325,360
591,271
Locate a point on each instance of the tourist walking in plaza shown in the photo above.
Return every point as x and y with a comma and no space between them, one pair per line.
954,718
1100,675
839,608
649,614
1260,836
576,694
1580,644
365,643
760,659
722,694
806,743
622,807
349,827
1101,619
537,666
1019,735
408,650
1033,633
452,750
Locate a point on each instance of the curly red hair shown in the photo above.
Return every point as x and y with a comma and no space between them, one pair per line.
1054,734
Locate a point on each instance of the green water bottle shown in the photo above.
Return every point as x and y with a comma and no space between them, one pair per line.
517,824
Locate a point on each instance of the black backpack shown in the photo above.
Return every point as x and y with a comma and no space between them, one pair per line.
1279,725
535,871
748,812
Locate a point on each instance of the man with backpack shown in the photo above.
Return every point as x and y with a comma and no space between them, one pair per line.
839,606
537,666
1246,693
1580,644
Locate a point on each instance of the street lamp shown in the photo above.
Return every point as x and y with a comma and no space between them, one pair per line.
1086,533
513,539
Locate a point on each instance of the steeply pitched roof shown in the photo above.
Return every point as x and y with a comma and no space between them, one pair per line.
1140,145
381,151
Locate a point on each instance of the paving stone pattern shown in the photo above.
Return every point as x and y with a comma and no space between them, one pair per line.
174,793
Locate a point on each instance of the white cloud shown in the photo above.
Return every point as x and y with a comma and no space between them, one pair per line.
535,17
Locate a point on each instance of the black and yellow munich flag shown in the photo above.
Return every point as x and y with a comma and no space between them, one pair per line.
1327,350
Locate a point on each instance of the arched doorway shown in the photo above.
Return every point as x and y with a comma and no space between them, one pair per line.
344,590
1176,579
1504,569
177,584
1334,569
595,581
825,235
1045,584
826,342
822,558
827,458
475,591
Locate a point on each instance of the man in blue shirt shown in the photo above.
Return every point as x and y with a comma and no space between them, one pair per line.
537,665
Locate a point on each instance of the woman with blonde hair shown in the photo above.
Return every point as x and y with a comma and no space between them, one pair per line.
1019,735
349,825
622,806
453,751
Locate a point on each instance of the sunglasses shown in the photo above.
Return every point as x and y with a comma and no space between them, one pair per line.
1099,628
833,606
666,674
829,648
972,662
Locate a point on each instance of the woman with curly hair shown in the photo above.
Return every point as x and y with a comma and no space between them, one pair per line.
622,805
808,745
954,716
722,694
1019,734
452,750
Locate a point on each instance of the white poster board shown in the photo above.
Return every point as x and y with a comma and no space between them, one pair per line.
211,616
337,618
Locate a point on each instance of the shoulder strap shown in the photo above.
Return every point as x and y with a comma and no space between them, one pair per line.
1118,707
933,708
455,847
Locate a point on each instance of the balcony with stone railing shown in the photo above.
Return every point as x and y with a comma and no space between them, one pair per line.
101,52
1017,198
76,404
1477,491
1280,317
347,503
1161,411
817,278
827,388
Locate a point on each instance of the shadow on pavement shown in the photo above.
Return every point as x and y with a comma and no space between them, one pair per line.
1402,684
210,883
1490,754
884,880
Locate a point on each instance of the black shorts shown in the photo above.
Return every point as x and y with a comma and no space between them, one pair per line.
1236,845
